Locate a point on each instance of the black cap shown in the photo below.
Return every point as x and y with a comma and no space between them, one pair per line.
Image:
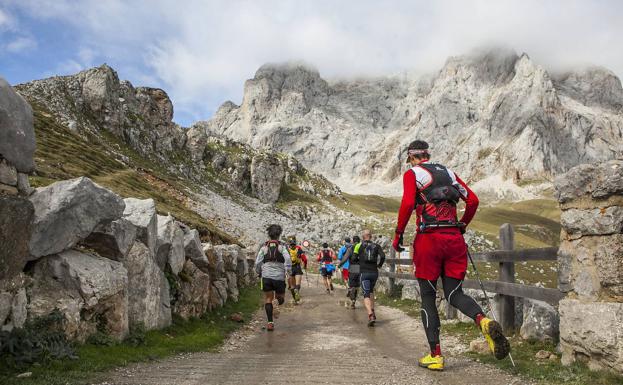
325,245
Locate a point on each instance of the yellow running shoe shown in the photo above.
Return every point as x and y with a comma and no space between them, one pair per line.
498,344
432,363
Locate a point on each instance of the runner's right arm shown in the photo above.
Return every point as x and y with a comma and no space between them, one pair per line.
406,206
259,261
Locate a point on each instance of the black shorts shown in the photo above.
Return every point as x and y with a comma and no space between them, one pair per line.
297,269
368,282
354,279
326,273
278,287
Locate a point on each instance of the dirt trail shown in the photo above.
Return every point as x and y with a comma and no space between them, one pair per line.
320,342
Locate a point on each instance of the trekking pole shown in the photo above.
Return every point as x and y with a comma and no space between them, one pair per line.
486,296
307,278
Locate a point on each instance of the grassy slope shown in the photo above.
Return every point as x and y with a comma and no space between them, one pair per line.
195,335
62,154
542,371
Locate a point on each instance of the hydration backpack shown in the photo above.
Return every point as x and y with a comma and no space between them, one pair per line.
365,252
326,256
294,255
273,253
439,196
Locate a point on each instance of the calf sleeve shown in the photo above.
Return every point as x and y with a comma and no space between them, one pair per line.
269,311
430,316
298,287
453,291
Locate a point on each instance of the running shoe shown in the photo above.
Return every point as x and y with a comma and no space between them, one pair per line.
492,331
371,320
270,326
431,362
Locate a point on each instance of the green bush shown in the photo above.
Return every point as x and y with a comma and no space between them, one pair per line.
41,339
137,335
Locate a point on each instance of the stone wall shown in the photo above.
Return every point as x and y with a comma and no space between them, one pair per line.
590,263
17,146
107,263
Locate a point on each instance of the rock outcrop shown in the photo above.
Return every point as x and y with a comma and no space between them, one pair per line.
266,178
141,115
491,115
170,245
590,265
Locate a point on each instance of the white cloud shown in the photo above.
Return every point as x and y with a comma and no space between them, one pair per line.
21,44
202,51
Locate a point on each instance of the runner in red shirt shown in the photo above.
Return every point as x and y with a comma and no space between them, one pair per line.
433,191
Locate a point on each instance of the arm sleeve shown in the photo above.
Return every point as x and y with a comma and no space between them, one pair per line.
287,261
259,260
471,201
408,201
346,257
381,255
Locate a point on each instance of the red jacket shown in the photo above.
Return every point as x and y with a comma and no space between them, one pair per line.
408,204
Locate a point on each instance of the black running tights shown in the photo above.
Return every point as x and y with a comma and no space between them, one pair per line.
453,291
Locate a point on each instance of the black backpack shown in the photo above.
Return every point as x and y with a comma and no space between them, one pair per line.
273,253
366,252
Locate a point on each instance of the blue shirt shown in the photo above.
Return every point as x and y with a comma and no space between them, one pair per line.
341,252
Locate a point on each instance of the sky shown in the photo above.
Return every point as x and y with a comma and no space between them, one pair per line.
201,52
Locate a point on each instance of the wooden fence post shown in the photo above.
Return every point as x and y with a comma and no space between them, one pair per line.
507,274
392,269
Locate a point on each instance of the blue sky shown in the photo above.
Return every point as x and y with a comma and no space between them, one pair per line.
201,52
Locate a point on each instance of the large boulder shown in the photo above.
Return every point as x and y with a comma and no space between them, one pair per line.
142,214
112,240
193,293
540,321
16,216
411,290
8,173
229,255
597,221
67,212
215,259
232,286
242,269
591,263
148,293
267,175
592,333
193,250
595,181
91,291
220,286
17,134
170,244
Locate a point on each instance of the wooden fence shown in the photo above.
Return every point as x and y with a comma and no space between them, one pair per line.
505,286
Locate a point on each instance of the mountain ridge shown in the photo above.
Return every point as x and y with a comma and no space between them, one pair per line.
492,115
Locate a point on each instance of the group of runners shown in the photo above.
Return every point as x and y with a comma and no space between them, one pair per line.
432,191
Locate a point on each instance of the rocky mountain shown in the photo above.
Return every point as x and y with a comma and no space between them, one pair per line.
496,117
123,137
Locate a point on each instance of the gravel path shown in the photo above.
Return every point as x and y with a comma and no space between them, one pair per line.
319,342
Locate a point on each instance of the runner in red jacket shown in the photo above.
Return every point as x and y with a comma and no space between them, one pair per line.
433,191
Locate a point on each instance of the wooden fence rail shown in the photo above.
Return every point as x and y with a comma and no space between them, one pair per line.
505,286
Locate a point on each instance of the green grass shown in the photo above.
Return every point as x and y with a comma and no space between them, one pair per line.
528,366
61,155
195,335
